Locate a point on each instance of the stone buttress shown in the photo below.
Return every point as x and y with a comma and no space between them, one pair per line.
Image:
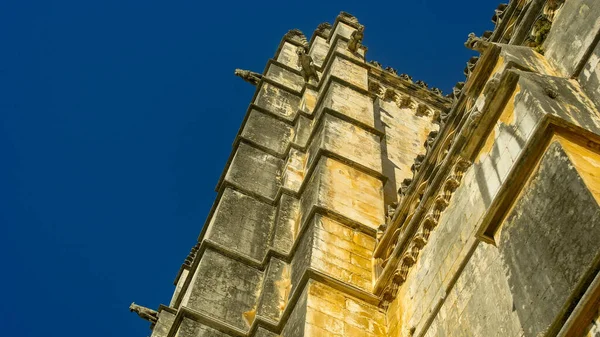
358,202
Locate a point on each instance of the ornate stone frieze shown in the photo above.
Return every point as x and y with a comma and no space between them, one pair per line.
427,224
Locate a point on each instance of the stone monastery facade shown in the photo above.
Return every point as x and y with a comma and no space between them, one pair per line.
360,202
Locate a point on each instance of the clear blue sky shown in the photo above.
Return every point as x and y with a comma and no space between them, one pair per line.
116,119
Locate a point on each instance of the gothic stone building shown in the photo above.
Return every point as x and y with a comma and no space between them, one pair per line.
358,202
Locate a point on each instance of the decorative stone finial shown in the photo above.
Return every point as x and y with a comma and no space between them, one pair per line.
476,43
349,19
305,62
356,39
324,29
144,313
297,36
248,76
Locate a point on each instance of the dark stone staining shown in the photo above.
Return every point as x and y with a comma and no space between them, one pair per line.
549,243
573,29
296,322
267,131
278,101
225,289
243,224
255,171
287,219
270,303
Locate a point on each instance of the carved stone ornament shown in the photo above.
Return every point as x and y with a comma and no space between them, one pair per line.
349,19
356,39
471,65
324,29
375,88
391,70
457,90
476,43
191,256
404,186
248,76
305,62
430,139
421,84
376,64
144,313
539,32
499,14
436,91
297,36
406,77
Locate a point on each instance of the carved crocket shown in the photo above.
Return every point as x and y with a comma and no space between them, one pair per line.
145,313
248,76
305,62
356,39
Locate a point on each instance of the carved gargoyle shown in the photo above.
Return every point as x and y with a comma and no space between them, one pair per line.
248,76
476,43
356,39
145,313
305,62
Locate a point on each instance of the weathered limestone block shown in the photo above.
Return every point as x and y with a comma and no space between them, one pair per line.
341,252
178,286
405,135
348,141
345,191
343,30
590,77
163,325
318,51
309,101
348,71
225,290
277,101
191,328
294,170
302,131
349,103
287,55
288,218
323,311
255,171
242,224
285,77
549,240
260,332
266,131
573,32
275,291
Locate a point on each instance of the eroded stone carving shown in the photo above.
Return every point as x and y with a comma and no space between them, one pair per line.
499,14
421,84
436,91
376,64
305,62
349,19
404,186
476,43
324,29
539,32
391,70
297,36
248,76
430,140
356,39
406,77
144,313
471,66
